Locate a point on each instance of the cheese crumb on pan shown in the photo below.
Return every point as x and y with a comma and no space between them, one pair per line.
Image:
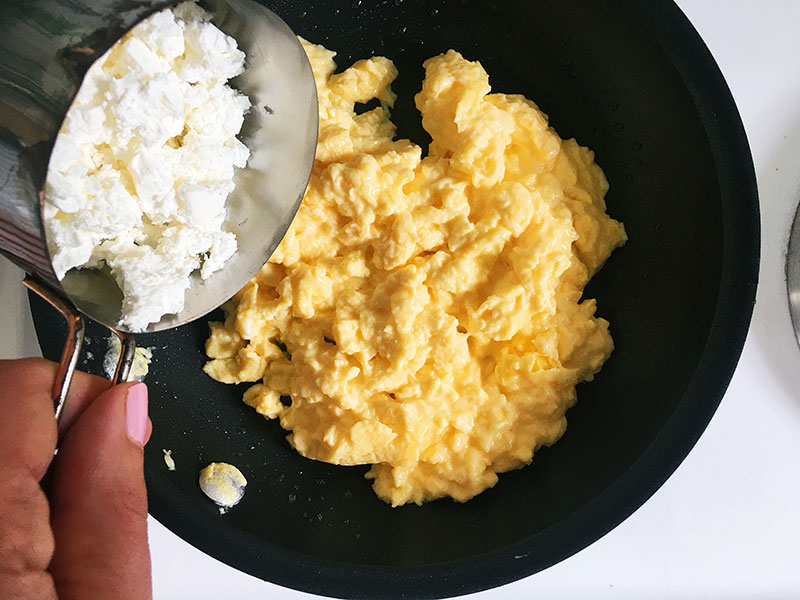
223,483
145,160
168,460
424,314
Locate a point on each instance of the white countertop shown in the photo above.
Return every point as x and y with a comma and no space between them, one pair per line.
727,523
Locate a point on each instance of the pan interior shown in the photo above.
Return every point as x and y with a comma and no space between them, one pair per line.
600,75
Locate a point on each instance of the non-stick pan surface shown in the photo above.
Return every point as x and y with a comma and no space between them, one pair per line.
633,81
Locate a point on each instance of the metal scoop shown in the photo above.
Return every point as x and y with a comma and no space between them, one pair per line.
46,47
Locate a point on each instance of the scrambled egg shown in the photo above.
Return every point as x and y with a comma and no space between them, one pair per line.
424,314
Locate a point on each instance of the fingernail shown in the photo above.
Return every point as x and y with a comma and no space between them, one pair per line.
136,413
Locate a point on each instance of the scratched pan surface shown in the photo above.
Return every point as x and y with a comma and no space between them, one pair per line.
632,80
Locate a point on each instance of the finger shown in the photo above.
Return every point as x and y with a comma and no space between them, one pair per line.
37,375
99,500
82,391
27,442
27,429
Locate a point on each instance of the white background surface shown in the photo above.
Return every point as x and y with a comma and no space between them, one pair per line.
727,524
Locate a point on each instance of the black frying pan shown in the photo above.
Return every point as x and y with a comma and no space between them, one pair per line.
632,80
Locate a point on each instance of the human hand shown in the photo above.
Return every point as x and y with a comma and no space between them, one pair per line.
86,539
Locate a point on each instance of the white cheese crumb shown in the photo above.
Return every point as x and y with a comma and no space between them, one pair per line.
142,357
145,160
223,483
168,460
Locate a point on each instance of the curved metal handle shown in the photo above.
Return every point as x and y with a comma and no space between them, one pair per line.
72,347
126,355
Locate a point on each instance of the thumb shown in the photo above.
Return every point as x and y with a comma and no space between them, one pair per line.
99,500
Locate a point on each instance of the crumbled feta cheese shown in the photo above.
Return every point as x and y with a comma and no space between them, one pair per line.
144,163
168,460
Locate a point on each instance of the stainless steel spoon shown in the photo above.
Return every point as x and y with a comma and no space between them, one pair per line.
46,47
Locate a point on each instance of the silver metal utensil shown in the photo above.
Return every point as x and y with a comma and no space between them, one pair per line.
46,47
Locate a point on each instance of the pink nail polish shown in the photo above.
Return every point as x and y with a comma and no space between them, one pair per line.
136,413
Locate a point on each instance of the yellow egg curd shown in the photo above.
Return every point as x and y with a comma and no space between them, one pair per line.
424,314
